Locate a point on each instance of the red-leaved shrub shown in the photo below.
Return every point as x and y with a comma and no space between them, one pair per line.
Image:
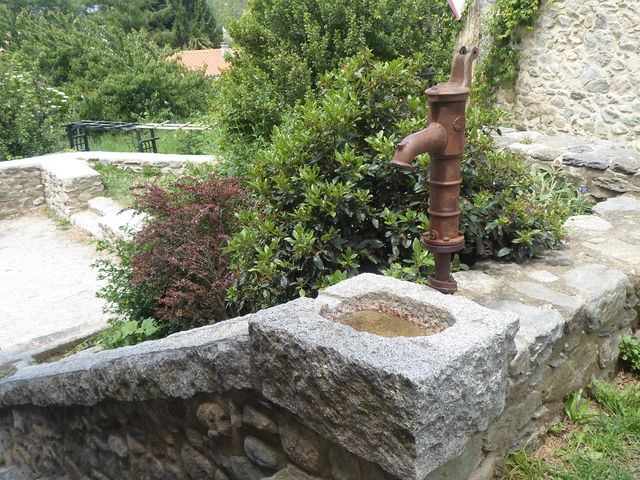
179,251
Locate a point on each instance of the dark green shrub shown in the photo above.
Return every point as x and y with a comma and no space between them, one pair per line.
509,209
107,73
329,205
173,269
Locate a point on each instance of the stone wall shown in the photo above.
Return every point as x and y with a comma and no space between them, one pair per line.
21,188
136,161
66,181
69,185
580,69
236,435
602,168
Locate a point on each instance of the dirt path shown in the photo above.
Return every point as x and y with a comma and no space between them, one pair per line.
47,286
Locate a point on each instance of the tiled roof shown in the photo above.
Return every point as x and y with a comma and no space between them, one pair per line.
211,59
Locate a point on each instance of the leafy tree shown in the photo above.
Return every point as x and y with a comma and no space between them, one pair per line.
282,47
30,112
225,10
175,23
193,24
107,74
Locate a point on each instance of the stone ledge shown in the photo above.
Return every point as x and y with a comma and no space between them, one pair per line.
402,403
208,359
68,171
606,168
166,163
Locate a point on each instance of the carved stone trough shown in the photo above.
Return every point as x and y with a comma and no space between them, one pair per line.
432,376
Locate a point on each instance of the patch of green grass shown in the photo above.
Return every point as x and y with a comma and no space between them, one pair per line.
61,223
169,141
118,181
598,447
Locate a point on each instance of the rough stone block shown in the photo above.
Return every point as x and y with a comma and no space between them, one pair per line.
622,204
604,291
88,222
586,223
540,328
262,454
259,420
105,206
399,402
123,224
588,160
207,359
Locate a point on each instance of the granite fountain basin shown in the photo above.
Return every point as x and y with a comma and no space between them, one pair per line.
394,372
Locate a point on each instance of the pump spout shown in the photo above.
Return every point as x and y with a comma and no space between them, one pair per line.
432,139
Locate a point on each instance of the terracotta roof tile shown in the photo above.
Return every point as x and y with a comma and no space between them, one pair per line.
211,59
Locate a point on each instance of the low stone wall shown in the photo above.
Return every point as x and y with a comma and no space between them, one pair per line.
21,187
603,168
66,181
165,163
200,438
293,393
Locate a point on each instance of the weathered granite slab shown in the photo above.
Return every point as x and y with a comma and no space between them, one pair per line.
207,359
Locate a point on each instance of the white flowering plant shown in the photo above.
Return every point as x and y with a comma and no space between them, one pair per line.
31,112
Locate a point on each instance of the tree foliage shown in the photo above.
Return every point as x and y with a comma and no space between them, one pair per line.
282,48
173,23
108,75
30,111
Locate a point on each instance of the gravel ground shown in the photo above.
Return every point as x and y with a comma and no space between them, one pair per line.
47,286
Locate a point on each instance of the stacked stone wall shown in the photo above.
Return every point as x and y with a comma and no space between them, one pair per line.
69,185
288,394
21,188
164,163
66,181
238,435
579,71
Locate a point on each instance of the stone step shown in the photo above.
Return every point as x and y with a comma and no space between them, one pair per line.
88,221
122,224
105,206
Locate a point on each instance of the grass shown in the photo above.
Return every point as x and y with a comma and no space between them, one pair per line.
118,181
169,141
61,223
601,443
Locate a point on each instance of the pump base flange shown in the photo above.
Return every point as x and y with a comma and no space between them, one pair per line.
447,287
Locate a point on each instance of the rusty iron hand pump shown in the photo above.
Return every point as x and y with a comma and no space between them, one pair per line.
443,140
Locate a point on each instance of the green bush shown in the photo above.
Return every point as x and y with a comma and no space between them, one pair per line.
173,269
510,210
329,205
31,112
108,74
283,47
